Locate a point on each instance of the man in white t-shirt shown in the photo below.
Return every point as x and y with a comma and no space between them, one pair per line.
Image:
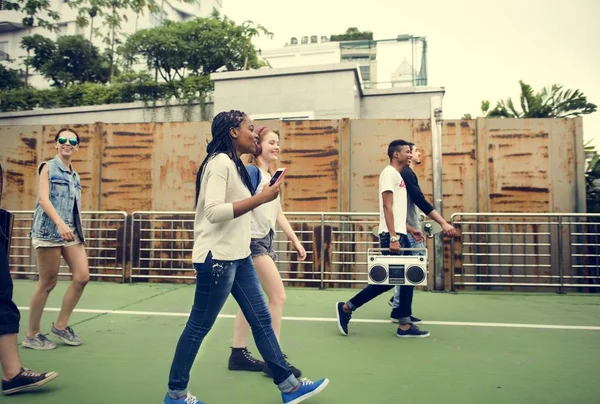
393,229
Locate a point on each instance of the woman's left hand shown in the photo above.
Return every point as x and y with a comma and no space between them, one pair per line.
301,251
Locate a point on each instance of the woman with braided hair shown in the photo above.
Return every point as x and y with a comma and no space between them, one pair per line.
223,263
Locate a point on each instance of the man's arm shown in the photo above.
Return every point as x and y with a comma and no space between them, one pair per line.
388,214
416,195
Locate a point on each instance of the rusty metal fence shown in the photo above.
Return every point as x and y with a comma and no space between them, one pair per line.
336,245
493,251
526,251
105,234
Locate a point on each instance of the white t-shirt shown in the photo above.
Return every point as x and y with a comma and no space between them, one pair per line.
215,228
264,217
391,180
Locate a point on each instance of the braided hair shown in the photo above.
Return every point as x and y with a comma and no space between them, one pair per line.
222,142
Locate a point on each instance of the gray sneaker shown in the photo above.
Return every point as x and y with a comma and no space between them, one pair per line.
67,335
39,342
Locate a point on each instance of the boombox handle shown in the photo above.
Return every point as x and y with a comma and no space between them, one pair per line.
369,250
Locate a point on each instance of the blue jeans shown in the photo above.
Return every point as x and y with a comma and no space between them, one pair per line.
215,279
372,291
411,243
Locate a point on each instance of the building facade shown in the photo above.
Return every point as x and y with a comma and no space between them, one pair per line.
382,64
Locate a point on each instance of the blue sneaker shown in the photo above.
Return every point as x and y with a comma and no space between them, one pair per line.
343,318
412,332
189,399
307,389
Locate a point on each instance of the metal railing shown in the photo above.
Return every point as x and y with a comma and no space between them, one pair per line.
336,245
494,251
105,235
524,251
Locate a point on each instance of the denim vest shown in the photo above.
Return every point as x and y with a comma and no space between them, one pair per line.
65,194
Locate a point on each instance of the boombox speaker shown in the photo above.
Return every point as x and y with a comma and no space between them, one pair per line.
404,270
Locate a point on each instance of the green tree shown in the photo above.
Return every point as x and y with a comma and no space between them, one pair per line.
42,47
552,102
112,14
197,47
71,59
352,34
37,12
251,30
9,79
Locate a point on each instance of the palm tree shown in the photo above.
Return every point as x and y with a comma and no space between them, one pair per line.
251,29
552,102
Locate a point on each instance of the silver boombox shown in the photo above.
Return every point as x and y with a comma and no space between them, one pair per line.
403,270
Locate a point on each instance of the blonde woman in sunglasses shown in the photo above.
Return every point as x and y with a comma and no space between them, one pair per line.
57,231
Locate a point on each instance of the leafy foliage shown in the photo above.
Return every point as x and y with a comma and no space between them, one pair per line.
112,14
592,179
9,79
71,59
552,102
127,87
196,47
352,34
37,12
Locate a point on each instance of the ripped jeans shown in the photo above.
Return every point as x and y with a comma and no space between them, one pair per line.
215,279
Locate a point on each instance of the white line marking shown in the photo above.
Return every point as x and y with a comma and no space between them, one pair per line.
355,320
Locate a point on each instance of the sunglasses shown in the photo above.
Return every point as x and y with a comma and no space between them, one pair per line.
72,142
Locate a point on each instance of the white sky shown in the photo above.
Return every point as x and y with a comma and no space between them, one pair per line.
477,49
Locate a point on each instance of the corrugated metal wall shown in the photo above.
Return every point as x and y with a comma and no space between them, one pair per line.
502,165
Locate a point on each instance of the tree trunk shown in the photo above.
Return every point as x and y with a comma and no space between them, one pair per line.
112,51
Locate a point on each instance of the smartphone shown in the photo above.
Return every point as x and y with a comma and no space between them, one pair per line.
277,176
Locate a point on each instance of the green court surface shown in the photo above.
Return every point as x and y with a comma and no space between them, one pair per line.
484,348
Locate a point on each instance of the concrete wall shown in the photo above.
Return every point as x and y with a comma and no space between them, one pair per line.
303,55
135,112
325,91
397,103
317,92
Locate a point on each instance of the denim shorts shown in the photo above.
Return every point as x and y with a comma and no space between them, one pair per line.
37,243
263,246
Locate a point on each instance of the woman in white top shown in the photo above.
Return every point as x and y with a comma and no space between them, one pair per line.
264,219
221,258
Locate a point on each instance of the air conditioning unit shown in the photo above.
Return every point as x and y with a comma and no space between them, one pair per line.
402,270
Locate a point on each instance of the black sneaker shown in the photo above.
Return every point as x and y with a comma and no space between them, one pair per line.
412,332
413,319
391,301
297,372
26,380
242,359
343,318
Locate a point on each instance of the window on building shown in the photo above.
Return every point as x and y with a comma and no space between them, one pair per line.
4,50
155,19
365,72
